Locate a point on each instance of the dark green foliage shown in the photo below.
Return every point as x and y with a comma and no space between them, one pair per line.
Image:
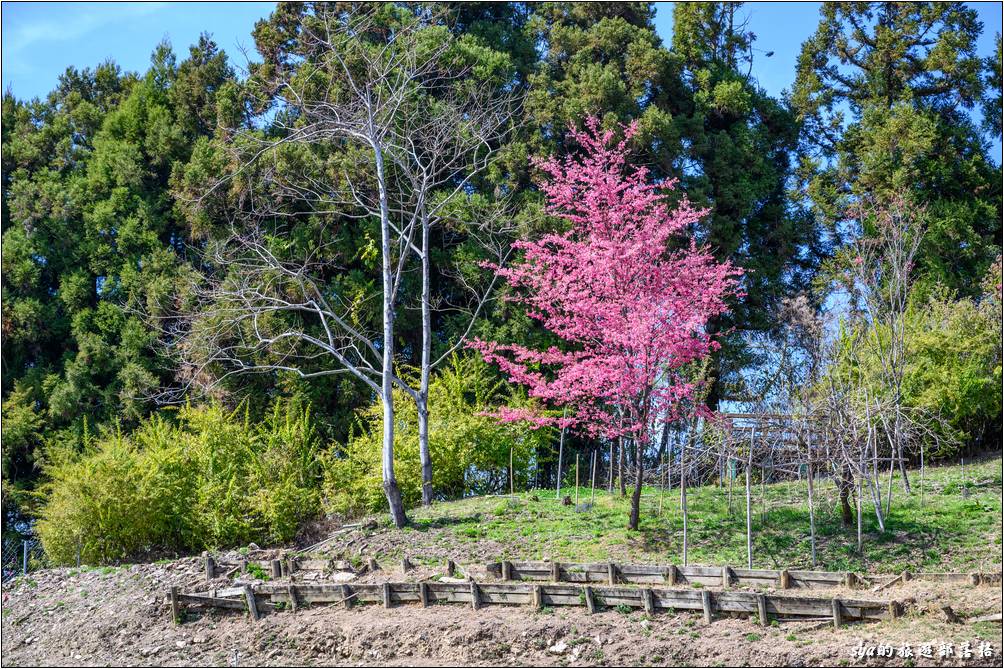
884,91
90,239
742,141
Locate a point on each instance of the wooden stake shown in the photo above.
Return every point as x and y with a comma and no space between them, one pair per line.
538,597
386,595
347,595
252,606
291,591
555,571
706,605
276,568
838,618
725,577
506,570
648,599
761,608
784,579
475,596
451,568
590,603
210,566
674,574
611,573
423,593
175,606
894,609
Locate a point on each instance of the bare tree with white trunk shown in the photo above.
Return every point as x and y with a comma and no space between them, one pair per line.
381,125
883,273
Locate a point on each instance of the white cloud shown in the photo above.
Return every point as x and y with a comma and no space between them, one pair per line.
76,21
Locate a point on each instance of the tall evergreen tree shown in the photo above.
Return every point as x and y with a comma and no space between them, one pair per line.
886,91
90,235
741,142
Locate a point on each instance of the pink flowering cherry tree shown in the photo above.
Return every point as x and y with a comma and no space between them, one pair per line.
631,311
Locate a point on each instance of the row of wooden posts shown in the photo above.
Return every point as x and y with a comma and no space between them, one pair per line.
269,597
725,576
570,586
613,573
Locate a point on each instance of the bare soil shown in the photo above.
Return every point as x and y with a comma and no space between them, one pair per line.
120,616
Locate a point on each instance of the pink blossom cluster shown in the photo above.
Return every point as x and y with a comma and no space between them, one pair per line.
632,311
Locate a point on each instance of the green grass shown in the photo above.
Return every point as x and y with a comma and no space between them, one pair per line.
945,533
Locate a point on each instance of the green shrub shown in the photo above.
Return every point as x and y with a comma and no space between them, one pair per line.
116,500
470,450
953,368
207,479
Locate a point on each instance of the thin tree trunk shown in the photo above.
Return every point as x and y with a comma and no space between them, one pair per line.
424,454
683,488
610,472
812,513
749,507
576,481
620,468
592,484
512,474
763,495
561,452
390,487
846,483
732,481
873,482
662,488
892,470
636,495
899,452
922,498
860,493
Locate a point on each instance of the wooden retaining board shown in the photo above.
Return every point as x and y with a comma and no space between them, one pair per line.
706,575
736,602
296,563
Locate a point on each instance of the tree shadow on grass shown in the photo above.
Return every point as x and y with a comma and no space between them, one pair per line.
426,524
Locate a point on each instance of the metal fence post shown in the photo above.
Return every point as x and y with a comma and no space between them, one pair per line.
24,559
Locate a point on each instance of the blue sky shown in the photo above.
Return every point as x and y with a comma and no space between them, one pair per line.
41,39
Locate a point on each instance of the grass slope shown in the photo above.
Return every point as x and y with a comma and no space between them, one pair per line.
947,532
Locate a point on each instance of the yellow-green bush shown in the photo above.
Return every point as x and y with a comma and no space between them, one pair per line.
208,479
470,451
116,500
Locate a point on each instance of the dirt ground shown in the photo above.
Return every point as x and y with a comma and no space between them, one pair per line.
119,616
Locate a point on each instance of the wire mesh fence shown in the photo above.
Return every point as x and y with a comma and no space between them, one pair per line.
20,556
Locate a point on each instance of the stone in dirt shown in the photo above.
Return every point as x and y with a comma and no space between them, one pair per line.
558,648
